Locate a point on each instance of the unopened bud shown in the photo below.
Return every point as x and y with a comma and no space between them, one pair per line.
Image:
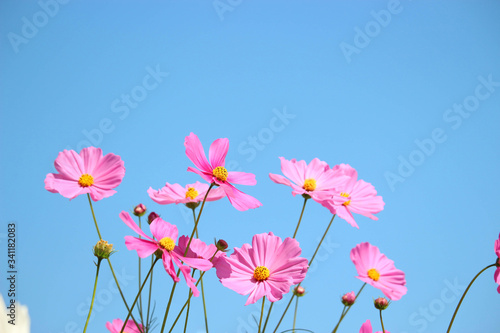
349,298
381,303
139,210
192,205
299,291
152,216
103,250
221,245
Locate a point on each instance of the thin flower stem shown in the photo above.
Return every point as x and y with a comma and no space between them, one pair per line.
310,263
111,266
465,293
382,322
340,319
138,294
149,297
295,314
267,318
190,295
262,312
187,316
198,219
300,218
348,308
202,288
139,281
93,294
185,253
93,215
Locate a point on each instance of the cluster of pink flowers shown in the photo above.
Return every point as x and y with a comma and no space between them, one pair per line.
269,266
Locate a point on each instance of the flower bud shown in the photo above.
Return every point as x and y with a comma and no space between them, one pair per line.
381,303
103,250
348,299
139,210
152,216
221,245
299,291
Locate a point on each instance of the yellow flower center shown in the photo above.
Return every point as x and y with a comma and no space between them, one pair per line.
310,184
86,180
191,193
373,274
220,173
261,273
167,243
345,195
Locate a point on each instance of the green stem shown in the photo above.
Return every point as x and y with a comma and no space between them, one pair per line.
295,314
267,318
190,295
202,288
187,316
93,294
138,294
310,263
139,281
93,215
149,297
344,312
300,218
185,253
111,266
463,296
382,322
262,312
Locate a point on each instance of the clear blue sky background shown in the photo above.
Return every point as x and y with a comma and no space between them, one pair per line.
378,95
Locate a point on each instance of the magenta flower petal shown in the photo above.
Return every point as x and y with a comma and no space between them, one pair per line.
161,229
125,216
218,151
215,173
116,326
377,270
497,247
144,247
87,172
267,268
367,328
279,179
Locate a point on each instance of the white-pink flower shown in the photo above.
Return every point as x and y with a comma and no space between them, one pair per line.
175,193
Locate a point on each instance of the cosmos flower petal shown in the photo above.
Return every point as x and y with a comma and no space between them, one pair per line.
279,179
218,151
144,247
169,266
125,216
56,183
243,178
241,201
195,152
69,164
161,229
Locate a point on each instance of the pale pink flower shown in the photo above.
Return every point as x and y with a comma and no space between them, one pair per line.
315,179
215,172
376,269
496,276
130,327
354,196
175,193
165,237
87,172
367,328
268,267
199,249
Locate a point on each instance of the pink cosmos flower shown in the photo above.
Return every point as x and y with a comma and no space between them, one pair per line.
215,172
269,267
315,179
175,193
367,328
87,172
165,237
354,196
376,269
130,327
496,276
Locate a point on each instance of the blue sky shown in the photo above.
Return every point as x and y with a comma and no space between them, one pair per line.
405,92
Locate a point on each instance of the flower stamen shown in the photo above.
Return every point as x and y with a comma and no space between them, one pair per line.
167,243
373,274
309,184
345,195
220,173
261,273
191,193
86,180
